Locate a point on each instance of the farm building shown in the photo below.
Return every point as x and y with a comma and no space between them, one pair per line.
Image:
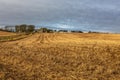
45,30
62,31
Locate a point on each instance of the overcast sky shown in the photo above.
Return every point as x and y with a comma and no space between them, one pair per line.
98,15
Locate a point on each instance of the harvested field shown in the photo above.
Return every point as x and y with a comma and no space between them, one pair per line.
61,56
3,33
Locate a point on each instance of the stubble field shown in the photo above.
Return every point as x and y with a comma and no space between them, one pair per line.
61,56
3,33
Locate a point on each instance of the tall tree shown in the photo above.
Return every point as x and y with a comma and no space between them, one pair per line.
23,28
17,28
30,28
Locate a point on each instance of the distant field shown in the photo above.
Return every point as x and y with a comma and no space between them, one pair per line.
3,33
61,56
10,36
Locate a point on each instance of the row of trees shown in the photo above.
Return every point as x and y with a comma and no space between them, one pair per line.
25,28
31,28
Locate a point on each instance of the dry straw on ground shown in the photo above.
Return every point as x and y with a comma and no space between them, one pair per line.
61,56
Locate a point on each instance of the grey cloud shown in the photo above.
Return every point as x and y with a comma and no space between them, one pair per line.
102,15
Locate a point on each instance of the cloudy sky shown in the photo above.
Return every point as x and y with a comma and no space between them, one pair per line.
96,15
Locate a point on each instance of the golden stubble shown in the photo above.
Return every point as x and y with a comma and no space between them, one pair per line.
61,56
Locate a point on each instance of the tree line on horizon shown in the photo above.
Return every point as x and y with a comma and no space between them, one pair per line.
24,28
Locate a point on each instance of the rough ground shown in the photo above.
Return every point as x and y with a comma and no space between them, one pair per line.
61,56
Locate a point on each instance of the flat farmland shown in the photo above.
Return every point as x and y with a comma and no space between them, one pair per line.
61,56
3,33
